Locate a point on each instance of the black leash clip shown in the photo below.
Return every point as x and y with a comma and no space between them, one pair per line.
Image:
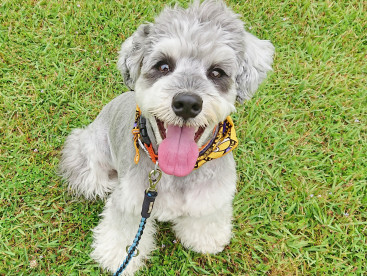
151,193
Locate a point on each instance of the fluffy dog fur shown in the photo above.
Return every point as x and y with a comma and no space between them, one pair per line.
97,161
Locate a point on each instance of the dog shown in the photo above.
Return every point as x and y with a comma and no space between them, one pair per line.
186,71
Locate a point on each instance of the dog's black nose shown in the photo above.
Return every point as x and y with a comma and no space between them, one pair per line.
187,105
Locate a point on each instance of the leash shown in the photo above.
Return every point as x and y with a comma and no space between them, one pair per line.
149,197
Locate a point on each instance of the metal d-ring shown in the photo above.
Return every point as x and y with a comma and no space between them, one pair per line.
136,251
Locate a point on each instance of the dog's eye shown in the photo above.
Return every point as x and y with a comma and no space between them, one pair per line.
164,68
216,73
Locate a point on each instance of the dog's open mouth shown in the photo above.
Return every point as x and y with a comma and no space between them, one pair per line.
163,130
178,152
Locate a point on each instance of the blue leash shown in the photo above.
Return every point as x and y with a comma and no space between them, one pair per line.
149,197
132,248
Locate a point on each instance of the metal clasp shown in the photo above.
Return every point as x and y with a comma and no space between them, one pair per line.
136,251
154,177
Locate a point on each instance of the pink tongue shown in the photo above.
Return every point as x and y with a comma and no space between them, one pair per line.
177,154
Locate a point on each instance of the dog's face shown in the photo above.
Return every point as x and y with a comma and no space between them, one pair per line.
187,70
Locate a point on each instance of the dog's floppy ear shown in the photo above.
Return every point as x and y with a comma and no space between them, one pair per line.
131,55
255,62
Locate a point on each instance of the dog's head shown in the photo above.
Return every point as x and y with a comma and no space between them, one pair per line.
187,69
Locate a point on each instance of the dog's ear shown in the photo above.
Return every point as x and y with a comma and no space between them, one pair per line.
131,55
254,62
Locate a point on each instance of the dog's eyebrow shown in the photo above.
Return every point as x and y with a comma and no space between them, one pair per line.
225,65
159,57
163,56
223,58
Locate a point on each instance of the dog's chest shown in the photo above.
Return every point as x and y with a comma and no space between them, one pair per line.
196,199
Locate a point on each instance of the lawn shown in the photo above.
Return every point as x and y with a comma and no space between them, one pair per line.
301,205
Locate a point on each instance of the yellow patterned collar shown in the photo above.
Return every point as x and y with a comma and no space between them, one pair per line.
222,143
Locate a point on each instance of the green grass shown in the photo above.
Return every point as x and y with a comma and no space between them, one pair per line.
301,206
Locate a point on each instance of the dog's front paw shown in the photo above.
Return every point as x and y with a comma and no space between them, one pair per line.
110,251
111,262
205,234
114,233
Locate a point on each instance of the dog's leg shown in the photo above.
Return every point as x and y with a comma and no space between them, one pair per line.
206,234
116,231
86,162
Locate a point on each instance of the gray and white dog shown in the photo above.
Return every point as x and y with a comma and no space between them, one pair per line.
186,71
